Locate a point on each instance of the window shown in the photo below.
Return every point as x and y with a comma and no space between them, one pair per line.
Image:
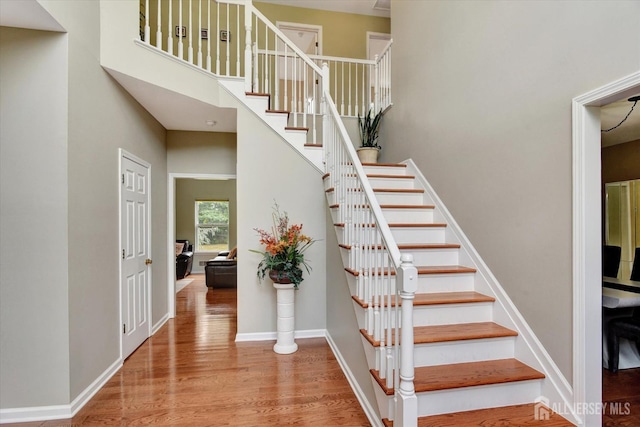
212,225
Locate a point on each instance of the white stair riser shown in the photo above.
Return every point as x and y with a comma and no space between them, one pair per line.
391,183
463,351
418,234
404,216
430,257
479,397
421,257
428,283
446,282
445,314
276,120
385,198
259,104
384,170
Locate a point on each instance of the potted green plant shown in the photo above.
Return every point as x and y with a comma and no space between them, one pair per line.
369,126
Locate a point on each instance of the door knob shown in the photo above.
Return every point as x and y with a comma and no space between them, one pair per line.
148,261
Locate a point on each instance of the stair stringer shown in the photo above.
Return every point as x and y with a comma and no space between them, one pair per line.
276,121
528,347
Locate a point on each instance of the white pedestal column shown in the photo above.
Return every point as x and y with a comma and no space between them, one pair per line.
286,322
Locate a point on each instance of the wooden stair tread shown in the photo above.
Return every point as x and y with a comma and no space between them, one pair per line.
407,207
277,111
257,94
387,165
382,175
456,332
296,128
516,415
471,374
417,224
430,269
313,145
399,225
409,246
439,298
413,246
460,332
398,190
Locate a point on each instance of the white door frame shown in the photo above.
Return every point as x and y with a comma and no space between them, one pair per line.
374,35
306,27
171,232
587,240
125,154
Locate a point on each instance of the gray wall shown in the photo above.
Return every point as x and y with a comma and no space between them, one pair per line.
482,99
34,307
201,152
268,170
77,304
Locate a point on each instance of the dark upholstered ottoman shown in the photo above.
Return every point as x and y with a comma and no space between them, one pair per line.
221,272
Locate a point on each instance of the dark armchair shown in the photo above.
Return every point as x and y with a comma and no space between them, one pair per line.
184,259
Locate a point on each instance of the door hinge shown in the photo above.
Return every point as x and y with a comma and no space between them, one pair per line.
123,254
123,178
124,328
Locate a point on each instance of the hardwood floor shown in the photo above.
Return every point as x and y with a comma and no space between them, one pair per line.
192,373
621,392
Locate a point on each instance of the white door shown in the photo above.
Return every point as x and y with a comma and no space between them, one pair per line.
135,279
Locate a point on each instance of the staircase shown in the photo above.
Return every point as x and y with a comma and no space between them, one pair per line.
443,342
464,360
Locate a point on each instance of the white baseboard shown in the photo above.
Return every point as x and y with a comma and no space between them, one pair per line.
58,412
155,328
369,411
271,336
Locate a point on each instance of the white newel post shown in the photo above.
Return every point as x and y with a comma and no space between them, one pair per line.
406,400
248,68
285,309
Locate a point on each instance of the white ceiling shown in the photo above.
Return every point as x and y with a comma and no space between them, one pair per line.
612,114
360,7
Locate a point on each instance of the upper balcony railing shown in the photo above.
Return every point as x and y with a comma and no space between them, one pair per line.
213,35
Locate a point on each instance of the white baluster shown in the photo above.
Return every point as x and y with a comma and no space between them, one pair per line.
228,72
147,28
159,30
376,86
199,33
170,29
342,95
209,35
180,42
237,41
349,65
190,50
217,38
248,66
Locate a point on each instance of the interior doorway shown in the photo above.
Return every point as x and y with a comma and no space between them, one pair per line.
587,238
171,217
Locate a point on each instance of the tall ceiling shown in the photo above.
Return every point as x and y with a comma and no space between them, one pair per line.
360,7
612,114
